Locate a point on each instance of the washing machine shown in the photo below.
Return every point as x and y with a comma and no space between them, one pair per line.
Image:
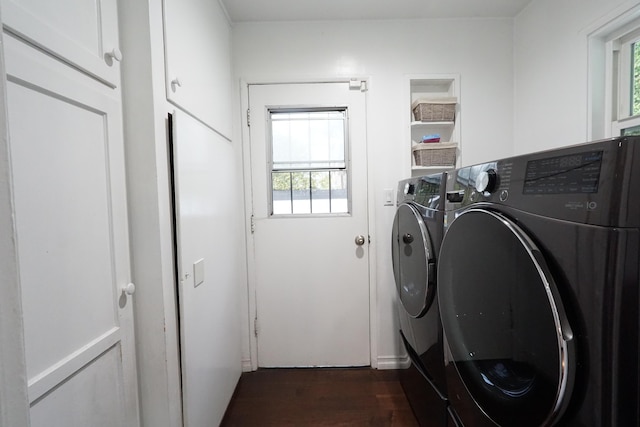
538,288
416,238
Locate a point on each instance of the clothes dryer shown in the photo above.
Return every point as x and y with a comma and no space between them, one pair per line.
539,288
416,238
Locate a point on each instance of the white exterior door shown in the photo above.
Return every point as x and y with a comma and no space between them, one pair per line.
311,277
67,158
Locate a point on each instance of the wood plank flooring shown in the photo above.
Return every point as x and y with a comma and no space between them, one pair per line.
319,397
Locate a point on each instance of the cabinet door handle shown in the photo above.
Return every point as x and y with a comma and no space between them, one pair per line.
115,54
129,289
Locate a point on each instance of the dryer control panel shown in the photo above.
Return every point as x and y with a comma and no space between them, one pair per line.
568,174
577,183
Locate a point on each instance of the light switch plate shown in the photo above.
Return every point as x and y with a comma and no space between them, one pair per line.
387,195
198,272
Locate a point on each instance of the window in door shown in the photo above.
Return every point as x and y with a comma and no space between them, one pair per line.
309,161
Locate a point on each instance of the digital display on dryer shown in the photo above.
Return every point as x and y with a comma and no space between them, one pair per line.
571,174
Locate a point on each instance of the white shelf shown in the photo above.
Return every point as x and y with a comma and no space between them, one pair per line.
431,169
431,86
431,124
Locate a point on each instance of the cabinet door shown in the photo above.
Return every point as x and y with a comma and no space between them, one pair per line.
198,61
67,158
83,33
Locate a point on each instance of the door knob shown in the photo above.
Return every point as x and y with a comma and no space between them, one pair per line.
360,240
129,289
407,238
115,54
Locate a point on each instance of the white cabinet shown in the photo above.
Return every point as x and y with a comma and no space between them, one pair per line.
198,61
64,115
81,33
441,88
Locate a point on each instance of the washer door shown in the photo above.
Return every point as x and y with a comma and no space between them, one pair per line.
504,322
413,260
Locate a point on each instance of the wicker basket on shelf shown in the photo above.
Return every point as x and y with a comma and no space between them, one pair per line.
434,110
435,154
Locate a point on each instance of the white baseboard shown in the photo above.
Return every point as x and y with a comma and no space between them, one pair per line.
393,362
383,362
246,365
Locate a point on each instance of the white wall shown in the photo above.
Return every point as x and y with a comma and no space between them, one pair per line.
551,70
146,109
150,213
480,50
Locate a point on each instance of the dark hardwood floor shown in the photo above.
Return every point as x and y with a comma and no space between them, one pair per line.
319,397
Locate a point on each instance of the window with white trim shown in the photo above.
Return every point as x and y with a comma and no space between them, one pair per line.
625,57
620,50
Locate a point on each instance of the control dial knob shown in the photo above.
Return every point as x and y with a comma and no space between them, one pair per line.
486,181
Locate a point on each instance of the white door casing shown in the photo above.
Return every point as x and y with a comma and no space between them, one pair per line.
311,278
67,156
14,402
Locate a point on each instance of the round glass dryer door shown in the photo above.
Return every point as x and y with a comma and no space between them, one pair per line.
413,261
503,321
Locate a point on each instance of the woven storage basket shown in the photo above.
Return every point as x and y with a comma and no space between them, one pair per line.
434,110
435,154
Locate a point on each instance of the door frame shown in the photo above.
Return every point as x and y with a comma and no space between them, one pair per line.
252,363
14,400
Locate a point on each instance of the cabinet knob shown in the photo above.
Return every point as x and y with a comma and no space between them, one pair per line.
176,82
115,54
129,289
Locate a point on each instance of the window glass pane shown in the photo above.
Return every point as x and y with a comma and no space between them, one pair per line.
308,164
308,140
281,193
329,192
635,81
320,192
339,193
336,142
319,132
301,192
632,131
281,141
299,152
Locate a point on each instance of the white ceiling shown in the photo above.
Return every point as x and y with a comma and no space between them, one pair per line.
317,10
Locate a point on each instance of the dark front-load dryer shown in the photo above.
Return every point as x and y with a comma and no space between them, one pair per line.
416,237
538,288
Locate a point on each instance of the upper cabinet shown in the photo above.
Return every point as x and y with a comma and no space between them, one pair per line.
83,33
433,117
198,61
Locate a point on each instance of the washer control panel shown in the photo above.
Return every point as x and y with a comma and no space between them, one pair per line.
486,181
